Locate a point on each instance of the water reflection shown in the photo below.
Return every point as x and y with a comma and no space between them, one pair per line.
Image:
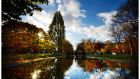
36,74
100,69
72,69
75,72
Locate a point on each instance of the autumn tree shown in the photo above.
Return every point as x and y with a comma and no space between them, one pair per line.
57,31
127,49
127,20
17,35
117,35
98,45
89,47
13,9
108,47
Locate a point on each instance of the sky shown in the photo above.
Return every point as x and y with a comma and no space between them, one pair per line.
83,19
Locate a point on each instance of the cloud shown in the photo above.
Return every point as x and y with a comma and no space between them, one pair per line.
70,7
107,16
72,13
51,2
40,19
58,1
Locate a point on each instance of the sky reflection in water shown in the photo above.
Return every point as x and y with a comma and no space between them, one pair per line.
36,74
77,72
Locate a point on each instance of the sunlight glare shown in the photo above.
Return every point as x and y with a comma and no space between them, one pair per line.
40,34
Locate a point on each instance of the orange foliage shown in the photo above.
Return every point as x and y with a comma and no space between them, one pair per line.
91,64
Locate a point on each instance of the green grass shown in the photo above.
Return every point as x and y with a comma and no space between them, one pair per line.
116,57
32,56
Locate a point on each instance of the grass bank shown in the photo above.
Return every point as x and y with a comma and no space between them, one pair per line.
12,58
116,57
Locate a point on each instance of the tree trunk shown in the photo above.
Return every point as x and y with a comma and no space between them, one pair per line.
131,49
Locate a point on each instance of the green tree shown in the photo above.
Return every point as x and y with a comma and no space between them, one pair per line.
44,42
57,31
80,50
67,48
12,9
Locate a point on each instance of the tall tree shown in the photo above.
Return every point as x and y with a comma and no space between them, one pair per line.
12,9
57,31
117,35
127,20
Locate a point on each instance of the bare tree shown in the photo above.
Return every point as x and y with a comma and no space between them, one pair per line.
129,33
126,23
117,35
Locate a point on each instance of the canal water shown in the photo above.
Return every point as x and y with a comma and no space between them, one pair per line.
73,69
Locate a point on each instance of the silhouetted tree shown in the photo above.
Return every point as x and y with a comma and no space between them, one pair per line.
80,50
12,9
98,45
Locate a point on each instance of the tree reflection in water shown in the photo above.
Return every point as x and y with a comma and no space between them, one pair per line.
47,69
72,69
101,69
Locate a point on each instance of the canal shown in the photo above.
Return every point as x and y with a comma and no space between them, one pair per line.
63,68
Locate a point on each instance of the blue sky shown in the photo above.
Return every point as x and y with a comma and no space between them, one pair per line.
83,19
94,7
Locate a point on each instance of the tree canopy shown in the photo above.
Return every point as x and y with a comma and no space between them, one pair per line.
12,9
127,12
67,47
80,47
17,35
